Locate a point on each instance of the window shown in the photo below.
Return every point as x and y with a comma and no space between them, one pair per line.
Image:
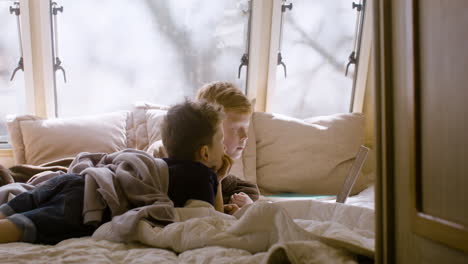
118,52
115,53
317,38
12,93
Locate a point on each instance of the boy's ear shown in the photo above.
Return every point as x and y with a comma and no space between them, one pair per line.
203,152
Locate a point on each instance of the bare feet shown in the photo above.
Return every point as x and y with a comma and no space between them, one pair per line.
9,232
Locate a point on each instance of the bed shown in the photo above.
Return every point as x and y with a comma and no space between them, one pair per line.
287,231
272,230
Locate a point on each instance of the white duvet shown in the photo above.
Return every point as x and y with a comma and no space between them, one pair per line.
304,231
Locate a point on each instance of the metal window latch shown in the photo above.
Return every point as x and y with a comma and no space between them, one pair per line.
284,7
56,9
58,67
19,67
247,30
15,9
357,6
57,63
280,62
351,60
244,62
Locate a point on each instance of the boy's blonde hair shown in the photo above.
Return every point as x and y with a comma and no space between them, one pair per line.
227,95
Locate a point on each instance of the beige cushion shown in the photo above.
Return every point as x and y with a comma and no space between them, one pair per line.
311,156
146,122
37,141
157,150
154,119
16,137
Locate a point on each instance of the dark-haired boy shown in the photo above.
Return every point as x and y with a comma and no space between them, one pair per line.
126,186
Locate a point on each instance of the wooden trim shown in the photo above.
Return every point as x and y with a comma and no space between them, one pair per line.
39,50
27,57
257,81
452,234
363,70
6,153
385,202
273,54
438,229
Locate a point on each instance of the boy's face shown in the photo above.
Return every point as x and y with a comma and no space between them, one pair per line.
216,150
235,128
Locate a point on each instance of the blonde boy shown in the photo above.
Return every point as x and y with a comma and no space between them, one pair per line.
238,110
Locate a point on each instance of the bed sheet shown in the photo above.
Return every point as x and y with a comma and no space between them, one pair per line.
363,199
278,232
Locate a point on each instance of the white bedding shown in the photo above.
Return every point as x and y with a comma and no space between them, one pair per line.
305,231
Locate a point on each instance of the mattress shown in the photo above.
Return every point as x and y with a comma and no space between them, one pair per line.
298,231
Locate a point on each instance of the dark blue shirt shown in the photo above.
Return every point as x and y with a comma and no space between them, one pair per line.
190,180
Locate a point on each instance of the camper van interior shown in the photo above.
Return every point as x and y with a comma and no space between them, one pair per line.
343,126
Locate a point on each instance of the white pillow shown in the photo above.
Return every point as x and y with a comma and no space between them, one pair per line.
154,119
311,156
145,125
36,141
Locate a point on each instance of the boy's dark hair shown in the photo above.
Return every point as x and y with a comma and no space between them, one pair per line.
188,126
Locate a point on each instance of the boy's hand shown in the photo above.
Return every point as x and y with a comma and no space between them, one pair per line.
230,208
225,167
240,199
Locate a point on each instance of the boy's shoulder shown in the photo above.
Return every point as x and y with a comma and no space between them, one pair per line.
188,169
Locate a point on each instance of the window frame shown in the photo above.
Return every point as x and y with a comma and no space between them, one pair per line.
43,81
261,78
37,61
364,66
356,103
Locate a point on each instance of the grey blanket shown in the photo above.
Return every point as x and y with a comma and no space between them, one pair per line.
131,183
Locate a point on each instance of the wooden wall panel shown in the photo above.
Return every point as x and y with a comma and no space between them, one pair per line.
443,96
421,136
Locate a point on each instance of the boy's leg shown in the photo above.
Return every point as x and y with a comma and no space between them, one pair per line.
43,212
61,216
9,232
30,200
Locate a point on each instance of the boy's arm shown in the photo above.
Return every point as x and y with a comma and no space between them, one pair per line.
218,203
221,173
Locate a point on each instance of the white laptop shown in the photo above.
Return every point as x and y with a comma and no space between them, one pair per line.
353,174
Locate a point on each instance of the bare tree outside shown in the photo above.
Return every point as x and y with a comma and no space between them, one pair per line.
118,52
317,40
152,50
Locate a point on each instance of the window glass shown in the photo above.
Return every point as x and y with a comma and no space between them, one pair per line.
116,53
12,93
317,40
